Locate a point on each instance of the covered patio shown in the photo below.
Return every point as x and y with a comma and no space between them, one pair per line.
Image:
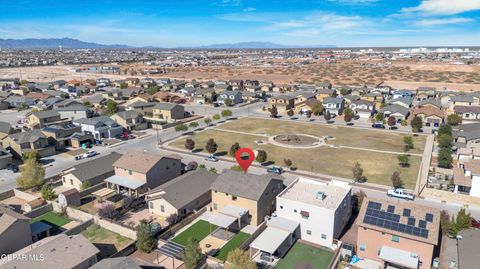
397,258
125,185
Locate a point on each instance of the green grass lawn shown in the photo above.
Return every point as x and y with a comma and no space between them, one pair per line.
301,254
378,167
199,231
234,243
106,241
53,219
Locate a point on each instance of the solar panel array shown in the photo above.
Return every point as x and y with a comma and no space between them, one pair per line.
374,215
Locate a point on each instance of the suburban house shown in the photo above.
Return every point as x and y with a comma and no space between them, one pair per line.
403,94
15,232
405,102
424,93
100,127
59,251
375,97
253,193
363,109
283,102
144,108
181,195
234,96
23,142
399,112
468,113
74,112
41,119
435,103
334,105
401,235
324,93
204,96
5,158
66,135
90,173
466,178
460,100
118,263
18,101
467,135
138,172
168,111
130,120
5,129
431,116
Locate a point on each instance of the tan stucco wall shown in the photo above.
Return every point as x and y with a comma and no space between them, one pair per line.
374,240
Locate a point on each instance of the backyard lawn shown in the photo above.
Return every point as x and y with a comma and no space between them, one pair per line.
302,254
199,230
378,166
53,219
106,241
234,243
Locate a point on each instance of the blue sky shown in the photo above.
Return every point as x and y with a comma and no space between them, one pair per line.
291,22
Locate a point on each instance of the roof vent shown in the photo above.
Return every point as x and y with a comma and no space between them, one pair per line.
320,195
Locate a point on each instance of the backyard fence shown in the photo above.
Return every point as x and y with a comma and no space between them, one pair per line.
39,211
179,225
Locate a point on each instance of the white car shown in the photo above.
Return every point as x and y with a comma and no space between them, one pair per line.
89,154
400,193
211,158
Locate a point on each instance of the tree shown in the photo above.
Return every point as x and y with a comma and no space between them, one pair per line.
379,117
287,162
193,253
193,124
211,146
31,155
391,121
236,168
444,129
145,240
228,102
226,113
358,198
261,156
344,91
444,141
47,192
454,120
396,180
202,166
357,171
32,174
106,210
212,170
234,148
85,185
463,220
416,124
216,117
445,222
348,115
317,108
408,143
181,128
239,259
172,219
127,202
87,103
153,90
290,112
111,108
403,160
189,144
123,85
445,158
327,116
273,111
207,121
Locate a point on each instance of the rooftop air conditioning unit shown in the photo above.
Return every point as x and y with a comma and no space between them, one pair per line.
320,195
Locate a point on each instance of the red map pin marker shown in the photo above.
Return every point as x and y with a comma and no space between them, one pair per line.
245,163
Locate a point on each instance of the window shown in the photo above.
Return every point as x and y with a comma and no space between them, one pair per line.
324,236
215,206
162,208
395,238
64,181
309,232
294,211
71,181
151,205
234,198
362,247
130,172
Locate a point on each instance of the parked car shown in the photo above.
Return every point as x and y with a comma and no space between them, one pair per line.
378,125
475,223
211,158
89,154
12,167
400,193
275,170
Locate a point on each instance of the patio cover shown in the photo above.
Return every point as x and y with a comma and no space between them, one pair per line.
234,211
399,257
126,182
270,240
39,227
283,224
222,220
103,192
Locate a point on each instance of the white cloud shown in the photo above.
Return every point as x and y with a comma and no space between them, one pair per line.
318,22
444,7
434,22
228,3
249,9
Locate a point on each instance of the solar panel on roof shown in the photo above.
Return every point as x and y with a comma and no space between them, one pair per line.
411,221
429,217
391,208
422,224
406,212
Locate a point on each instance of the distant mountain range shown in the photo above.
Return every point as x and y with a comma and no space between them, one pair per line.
70,43
48,43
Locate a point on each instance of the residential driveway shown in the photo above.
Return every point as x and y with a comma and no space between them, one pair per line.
8,180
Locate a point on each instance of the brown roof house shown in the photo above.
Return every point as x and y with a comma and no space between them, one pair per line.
400,234
138,172
15,231
130,120
431,116
182,195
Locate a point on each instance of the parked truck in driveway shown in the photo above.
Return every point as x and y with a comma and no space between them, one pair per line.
400,193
